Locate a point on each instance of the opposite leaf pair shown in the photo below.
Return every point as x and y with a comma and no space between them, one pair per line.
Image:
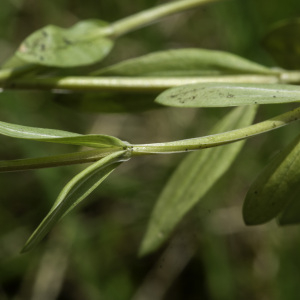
111,152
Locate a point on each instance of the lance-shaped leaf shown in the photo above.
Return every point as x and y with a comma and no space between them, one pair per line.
74,192
197,173
184,62
273,188
283,43
60,137
80,45
228,94
53,161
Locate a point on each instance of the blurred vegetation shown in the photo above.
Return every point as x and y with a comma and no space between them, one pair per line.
92,254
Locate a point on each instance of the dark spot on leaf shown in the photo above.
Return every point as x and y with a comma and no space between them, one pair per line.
173,96
274,125
43,47
41,58
274,96
45,34
230,95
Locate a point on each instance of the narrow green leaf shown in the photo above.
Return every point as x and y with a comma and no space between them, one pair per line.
183,62
228,94
52,161
270,192
59,136
283,43
197,173
113,102
80,45
74,192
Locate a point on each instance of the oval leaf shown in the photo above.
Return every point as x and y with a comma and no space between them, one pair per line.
228,94
271,191
184,62
74,192
283,43
60,137
80,45
197,173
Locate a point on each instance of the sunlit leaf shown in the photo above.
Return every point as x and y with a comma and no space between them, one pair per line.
109,102
59,136
197,173
74,192
82,44
283,43
184,62
228,94
272,190
52,161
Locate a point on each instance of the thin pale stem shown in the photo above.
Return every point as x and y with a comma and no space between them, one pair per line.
218,139
129,84
146,17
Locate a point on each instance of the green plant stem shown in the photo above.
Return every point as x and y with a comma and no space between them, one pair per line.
143,18
132,84
53,161
218,139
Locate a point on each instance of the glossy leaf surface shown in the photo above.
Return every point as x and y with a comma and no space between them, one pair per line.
80,45
274,187
74,192
184,62
228,94
197,173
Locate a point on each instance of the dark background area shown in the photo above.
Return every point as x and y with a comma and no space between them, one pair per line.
92,253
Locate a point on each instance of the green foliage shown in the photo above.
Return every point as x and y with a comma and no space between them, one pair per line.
60,137
197,197
274,188
193,178
228,94
80,45
184,62
74,192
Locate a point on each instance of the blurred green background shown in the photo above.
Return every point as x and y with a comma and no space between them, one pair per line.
92,254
